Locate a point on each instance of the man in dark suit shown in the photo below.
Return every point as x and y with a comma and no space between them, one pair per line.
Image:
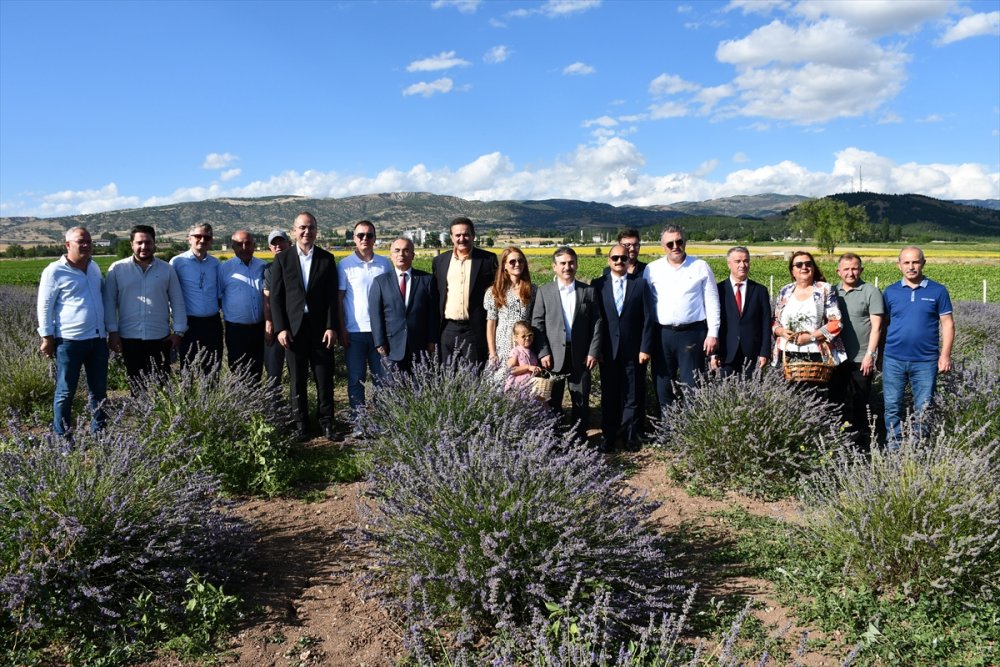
402,306
625,348
304,313
630,240
568,321
463,275
745,330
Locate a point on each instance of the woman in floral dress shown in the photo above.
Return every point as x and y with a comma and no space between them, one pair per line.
806,314
509,300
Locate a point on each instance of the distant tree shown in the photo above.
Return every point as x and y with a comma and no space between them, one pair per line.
15,250
123,249
830,222
490,242
108,236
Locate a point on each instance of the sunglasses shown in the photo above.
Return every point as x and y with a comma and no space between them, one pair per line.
803,265
618,258
515,262
674,244
364,235
207,237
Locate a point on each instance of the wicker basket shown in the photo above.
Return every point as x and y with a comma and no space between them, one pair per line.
812,372
542,383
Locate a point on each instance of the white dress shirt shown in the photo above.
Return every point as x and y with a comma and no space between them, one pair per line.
139,304
70,301
567,294
684,294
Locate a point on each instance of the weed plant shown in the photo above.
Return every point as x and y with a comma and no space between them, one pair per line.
756,435
99,537
920,521
479,535
227,417
409,413
27,380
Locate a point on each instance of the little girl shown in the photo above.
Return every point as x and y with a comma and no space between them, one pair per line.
522,362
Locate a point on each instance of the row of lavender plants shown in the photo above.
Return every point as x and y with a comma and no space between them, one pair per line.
114,542
911,534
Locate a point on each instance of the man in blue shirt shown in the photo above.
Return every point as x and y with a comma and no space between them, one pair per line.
241,280
918,311
141,297
198,272
71,324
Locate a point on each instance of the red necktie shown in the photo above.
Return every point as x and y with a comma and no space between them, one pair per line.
402,286
739,299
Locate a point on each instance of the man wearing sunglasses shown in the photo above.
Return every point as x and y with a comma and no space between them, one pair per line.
684,298
198,272
625,348
355,275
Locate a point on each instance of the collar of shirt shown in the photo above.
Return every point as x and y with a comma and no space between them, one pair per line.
304,254
566,289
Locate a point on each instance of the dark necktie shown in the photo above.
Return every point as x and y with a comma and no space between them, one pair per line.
402,287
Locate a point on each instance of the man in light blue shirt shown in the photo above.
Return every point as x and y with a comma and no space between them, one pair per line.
241,280
141,296
71,324
198,272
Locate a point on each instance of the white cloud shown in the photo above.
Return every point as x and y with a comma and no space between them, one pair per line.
667,110
443,60
578,69
218,160
684,9
931,118
972,26
603,121
556,8
443,85
740,157
876,17
764,7
230,174
464,6
497,54
669,84
890,118
611,169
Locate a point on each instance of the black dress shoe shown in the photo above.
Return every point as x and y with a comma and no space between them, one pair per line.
301,432
329,431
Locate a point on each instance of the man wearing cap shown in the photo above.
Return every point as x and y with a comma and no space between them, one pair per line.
274,354
241,280
198,272
355,274
71,324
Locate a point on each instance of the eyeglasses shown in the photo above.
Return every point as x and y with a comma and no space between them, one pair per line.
803,265
242,243
364,235
618,258
515,262
630,245
200,237
679,243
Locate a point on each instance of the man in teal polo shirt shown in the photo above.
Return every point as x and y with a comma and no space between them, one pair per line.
918,311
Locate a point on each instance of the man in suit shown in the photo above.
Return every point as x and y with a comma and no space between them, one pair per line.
402,305
568,321
304,312
625,348
629,239
745,329
463,275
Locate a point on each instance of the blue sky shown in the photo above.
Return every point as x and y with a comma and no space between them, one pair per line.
110,105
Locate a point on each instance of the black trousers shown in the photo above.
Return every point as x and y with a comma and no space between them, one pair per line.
852,390
677,352
623,399
579,392
458,338
245,346
203,333
307,350
143,357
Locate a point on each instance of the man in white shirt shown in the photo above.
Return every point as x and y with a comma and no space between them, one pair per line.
355,274
568,321
71,324
685,300
241,281
198,273
141,297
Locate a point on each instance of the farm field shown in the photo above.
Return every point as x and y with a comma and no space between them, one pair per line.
962,269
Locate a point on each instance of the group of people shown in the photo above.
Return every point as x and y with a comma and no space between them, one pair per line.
671,315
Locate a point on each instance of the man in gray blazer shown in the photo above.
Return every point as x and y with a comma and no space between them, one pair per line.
568,320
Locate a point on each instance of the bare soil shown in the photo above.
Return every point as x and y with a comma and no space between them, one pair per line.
307,606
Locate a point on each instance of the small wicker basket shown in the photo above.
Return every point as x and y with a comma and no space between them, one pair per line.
542,383
811,372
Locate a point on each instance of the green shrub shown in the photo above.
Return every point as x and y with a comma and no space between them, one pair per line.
920,521
756,435
228,418
27,381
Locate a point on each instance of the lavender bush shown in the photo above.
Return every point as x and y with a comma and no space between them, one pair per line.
756,435
479,534
227,417
970,394
920,521
411,412
975,327
93,536
26,378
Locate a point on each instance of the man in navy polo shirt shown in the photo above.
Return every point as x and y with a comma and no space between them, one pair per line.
918,311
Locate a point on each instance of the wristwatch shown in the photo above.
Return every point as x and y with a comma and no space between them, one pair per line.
873,354
812,339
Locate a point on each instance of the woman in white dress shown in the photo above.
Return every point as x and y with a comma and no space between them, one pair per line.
806,314
509,300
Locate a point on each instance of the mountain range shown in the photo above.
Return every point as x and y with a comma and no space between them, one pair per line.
399,211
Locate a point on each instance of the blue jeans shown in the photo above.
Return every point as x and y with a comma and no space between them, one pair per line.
360,355
71,356
922,376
